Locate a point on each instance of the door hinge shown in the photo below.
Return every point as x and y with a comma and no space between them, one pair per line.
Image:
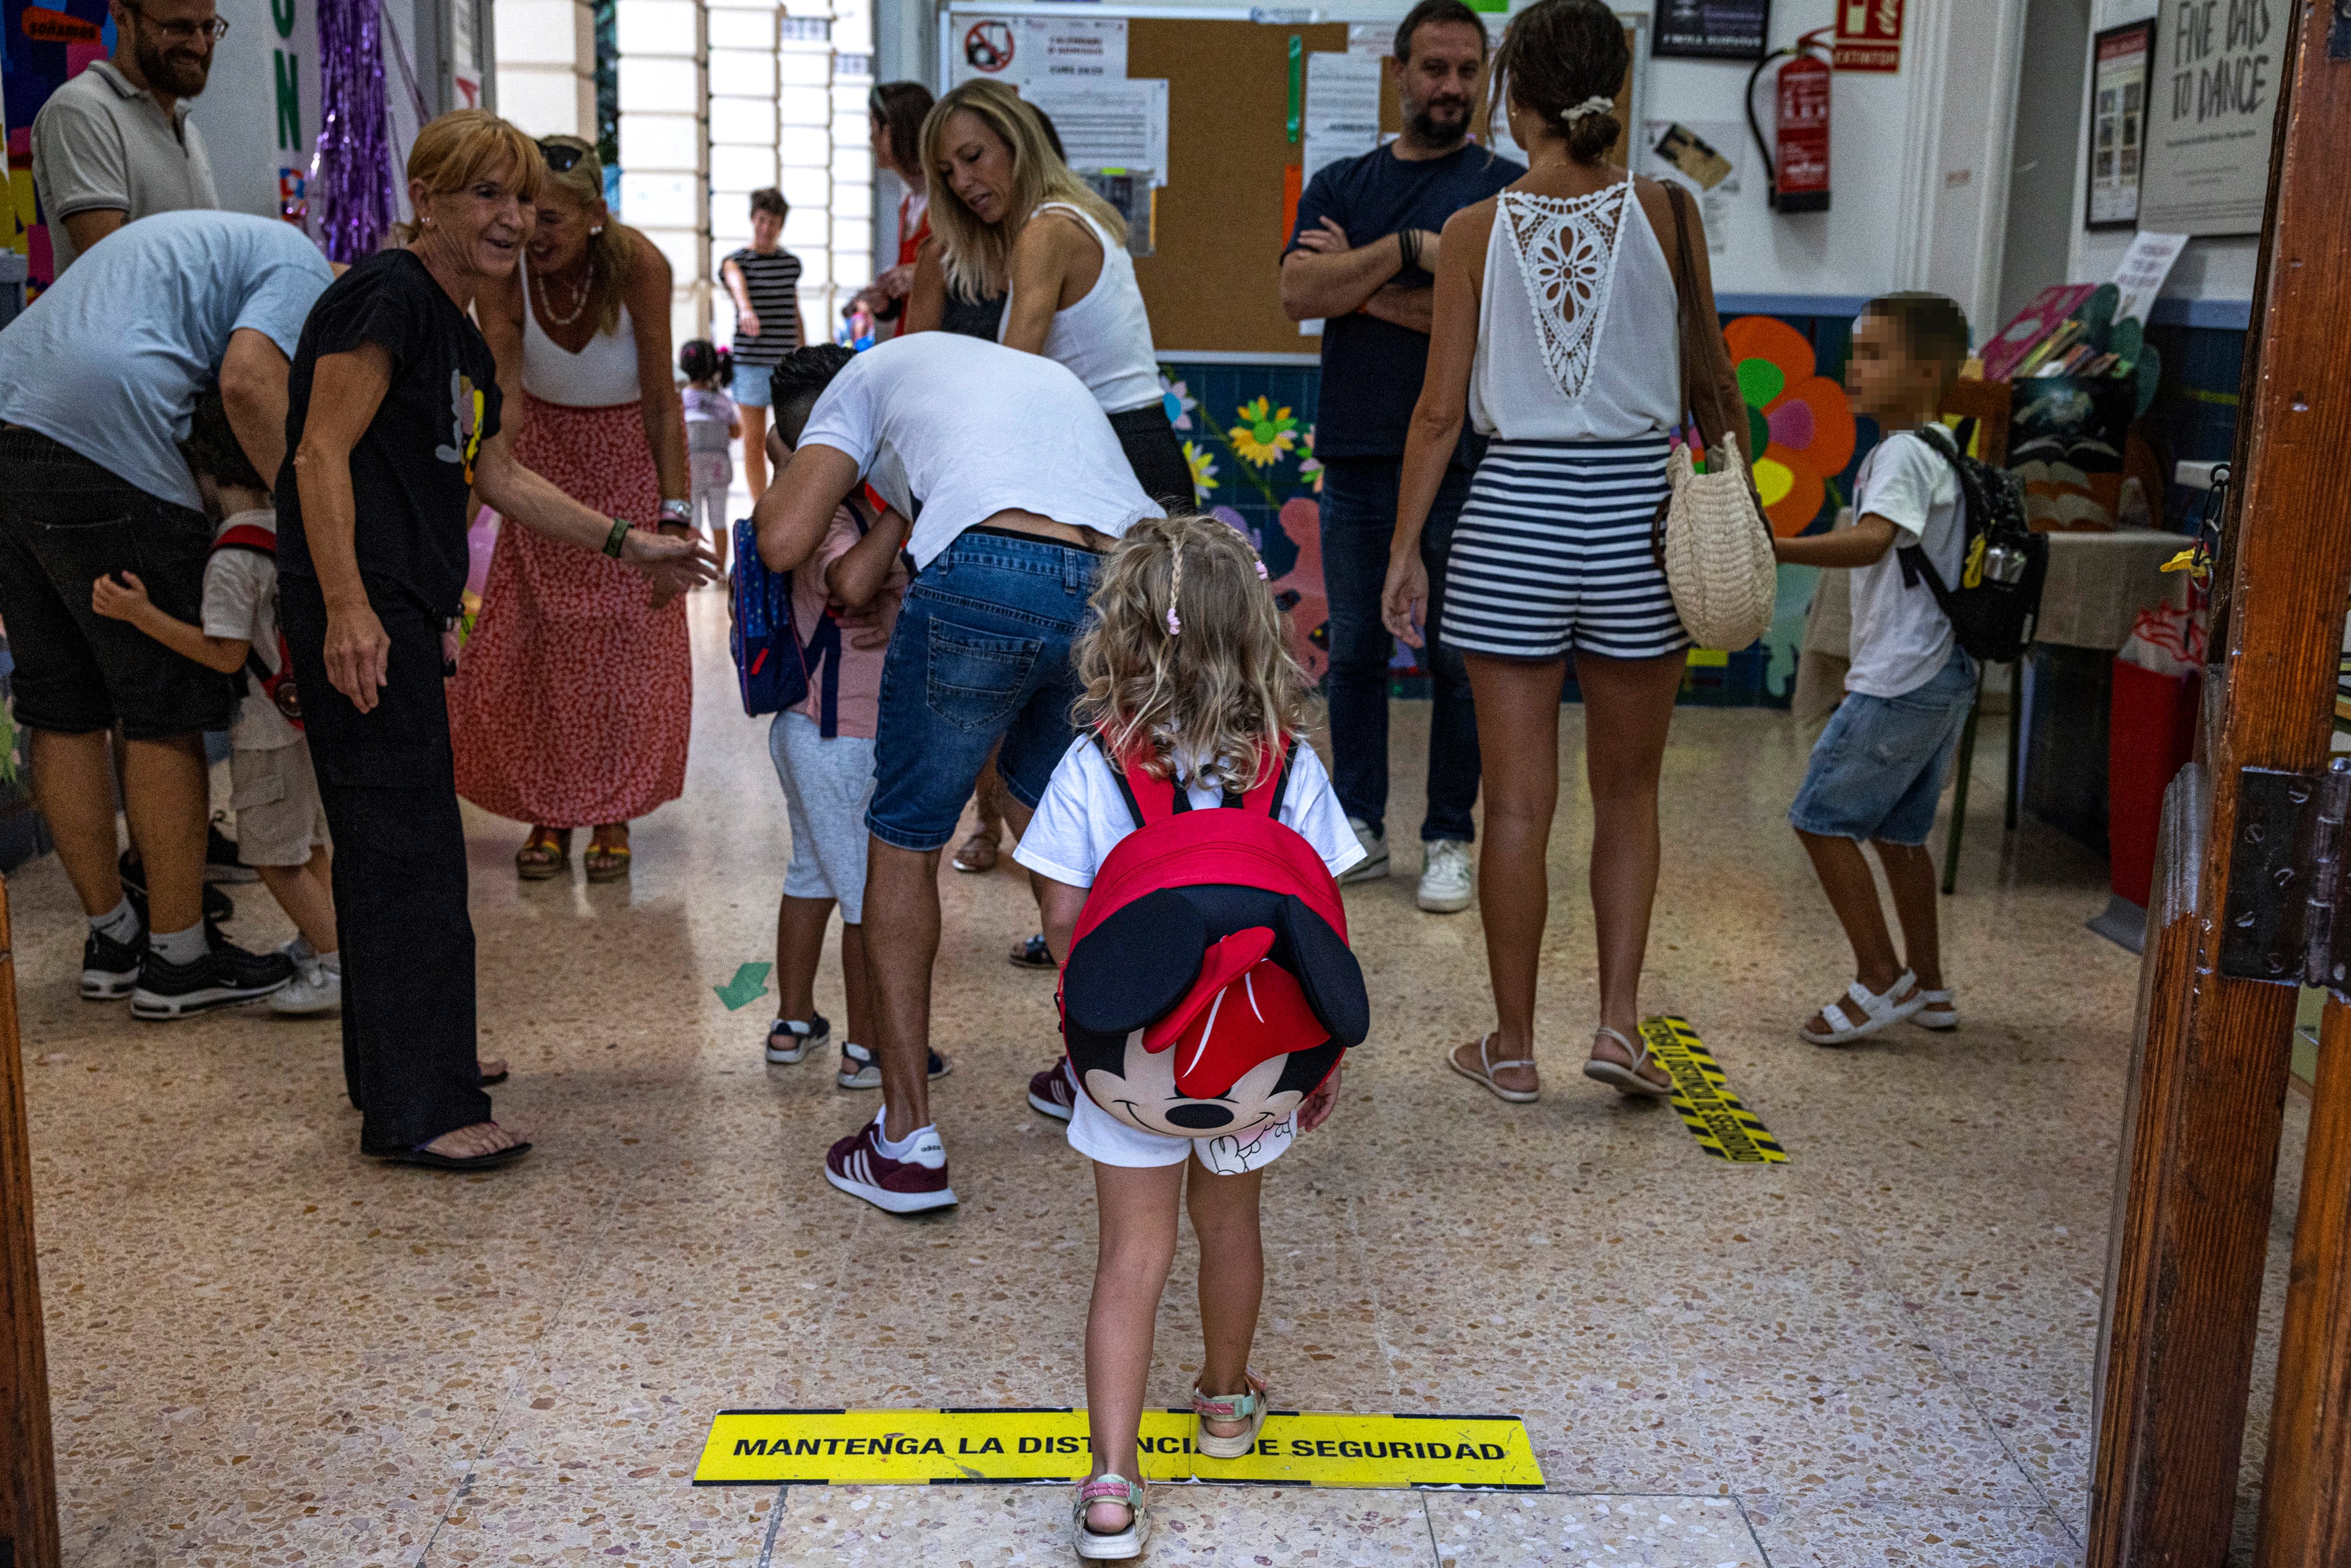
2283,922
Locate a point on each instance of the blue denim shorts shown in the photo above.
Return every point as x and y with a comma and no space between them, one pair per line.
982,654
749,387
1878,770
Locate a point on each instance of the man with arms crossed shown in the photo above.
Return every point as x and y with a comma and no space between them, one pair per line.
1364,259
1016,483
114,143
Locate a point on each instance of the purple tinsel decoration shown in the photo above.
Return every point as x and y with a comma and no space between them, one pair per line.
352,191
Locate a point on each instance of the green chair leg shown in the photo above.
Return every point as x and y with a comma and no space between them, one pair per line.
1959,792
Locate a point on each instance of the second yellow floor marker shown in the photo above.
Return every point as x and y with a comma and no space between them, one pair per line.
1722,1125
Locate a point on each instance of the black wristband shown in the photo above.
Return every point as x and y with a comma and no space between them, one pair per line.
1408,247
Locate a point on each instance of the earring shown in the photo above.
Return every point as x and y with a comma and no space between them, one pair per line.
597,230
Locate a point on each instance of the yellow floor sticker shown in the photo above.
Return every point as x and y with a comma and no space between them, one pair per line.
1709,1107
946,1448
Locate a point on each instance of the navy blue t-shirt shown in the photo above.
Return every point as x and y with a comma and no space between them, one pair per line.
1371,370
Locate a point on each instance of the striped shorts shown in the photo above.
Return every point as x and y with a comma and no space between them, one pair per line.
1552,556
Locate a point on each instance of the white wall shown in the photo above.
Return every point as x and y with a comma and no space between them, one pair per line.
238,112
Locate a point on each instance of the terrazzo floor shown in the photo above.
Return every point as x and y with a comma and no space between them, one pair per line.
265,1351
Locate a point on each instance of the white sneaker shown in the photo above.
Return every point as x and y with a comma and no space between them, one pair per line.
315,989
1374,863
1445,884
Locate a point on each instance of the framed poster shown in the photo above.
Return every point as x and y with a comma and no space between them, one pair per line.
2213,100
2119,71
1711,29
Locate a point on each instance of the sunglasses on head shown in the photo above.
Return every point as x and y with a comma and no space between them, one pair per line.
561,156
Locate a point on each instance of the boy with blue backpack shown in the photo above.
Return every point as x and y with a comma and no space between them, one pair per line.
843,601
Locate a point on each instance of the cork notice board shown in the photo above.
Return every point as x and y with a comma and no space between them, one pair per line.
1213,284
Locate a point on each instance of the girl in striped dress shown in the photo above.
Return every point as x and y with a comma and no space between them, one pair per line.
1556,322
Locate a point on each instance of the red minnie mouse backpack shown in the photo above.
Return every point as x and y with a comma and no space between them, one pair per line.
1209,988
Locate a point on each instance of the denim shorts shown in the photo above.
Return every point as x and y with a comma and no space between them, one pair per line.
982,654
749,387
1878,770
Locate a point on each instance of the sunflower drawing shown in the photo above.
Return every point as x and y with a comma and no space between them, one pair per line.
1265,434
1178,401
1800,433
1204,468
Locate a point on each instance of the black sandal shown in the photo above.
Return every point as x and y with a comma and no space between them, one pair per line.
422,1155
1033,954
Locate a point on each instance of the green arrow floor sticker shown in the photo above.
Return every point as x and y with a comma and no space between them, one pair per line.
749,984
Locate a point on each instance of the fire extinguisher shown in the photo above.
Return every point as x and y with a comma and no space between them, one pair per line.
1798,166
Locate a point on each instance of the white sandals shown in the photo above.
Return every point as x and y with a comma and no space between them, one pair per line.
1249,1407
1110,1546
1878,1010
1938,1011
1485,1070
1625,1077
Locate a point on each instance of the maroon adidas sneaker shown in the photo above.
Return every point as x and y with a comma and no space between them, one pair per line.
1052,1093
856,1165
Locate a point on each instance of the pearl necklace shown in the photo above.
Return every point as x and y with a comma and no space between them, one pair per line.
585,288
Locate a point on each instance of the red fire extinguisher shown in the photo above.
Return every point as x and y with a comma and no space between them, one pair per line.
1797,161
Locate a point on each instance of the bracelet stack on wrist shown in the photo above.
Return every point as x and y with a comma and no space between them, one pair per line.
1408,247
618,539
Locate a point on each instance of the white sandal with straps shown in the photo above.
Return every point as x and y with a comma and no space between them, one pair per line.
1936,1011
1484,1071
1878,1010
1110,1546
1625,1077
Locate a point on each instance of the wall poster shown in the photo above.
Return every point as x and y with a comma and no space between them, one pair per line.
2212,106
1712,29
2118,123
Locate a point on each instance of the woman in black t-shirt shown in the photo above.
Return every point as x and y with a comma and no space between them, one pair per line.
392,419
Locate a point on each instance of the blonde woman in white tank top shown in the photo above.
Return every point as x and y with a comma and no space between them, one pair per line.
1011,218
1556,325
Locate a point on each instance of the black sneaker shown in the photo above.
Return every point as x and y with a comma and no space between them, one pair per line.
219,908
221,861
109,968
222,978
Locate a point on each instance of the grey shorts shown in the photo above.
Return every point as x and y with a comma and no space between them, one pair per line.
827,784
275,796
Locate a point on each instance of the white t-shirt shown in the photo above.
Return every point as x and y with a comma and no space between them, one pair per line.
1901,638
963,429
241,600
1083,815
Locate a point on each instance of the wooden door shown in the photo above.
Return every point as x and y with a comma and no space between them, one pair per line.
2207,1085
29,1491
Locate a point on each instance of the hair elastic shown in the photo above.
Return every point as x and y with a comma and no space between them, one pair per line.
1596,104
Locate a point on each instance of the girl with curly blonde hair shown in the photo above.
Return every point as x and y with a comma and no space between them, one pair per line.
1188,680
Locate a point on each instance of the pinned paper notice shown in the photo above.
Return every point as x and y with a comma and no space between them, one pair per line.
1106,125
1376,39
1342,109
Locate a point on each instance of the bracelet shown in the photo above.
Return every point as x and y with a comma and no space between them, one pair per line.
617,538
677,512
1408,247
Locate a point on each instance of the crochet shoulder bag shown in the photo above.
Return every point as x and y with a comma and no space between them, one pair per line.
1709,536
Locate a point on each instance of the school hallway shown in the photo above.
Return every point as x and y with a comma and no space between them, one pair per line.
266,1351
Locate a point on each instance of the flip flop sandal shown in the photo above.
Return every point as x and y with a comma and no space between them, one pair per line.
1625,1078
976,854
544,858
1936,1011
1878,1010
1033,954
1485,1070
425,1156
606,863
491,1079
1110,1546
1250,1407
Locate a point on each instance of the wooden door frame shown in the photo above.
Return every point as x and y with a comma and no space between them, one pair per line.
2208,1087
28,1482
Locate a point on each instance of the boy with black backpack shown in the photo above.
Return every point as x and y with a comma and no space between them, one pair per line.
1878,770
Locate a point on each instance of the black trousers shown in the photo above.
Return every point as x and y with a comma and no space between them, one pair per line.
1155,456
386,780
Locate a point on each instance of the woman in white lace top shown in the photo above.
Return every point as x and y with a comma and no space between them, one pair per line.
1556,325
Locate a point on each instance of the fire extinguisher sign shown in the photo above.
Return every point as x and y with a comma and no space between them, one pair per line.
1868,36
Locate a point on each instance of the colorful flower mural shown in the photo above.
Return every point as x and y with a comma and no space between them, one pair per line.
1266,434
1178,401
1204,468
1800,433
1310,467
